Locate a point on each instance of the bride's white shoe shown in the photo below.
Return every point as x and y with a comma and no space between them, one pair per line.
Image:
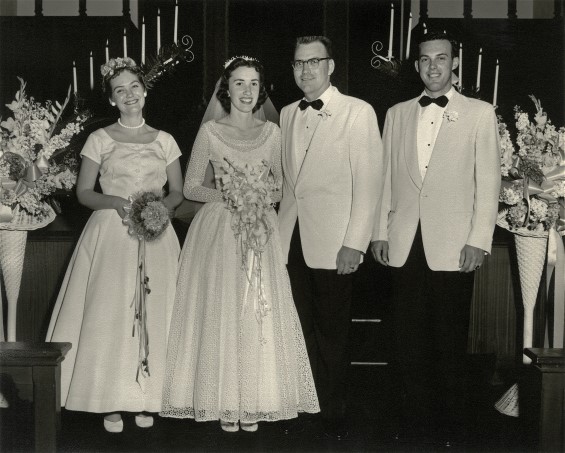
230,427
144,421
249,427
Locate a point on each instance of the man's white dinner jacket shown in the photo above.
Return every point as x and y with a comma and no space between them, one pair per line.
457,202
336,190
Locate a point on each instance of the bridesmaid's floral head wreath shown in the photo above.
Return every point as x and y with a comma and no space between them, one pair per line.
115,66
231,65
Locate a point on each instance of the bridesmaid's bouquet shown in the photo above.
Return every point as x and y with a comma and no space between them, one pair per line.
147,216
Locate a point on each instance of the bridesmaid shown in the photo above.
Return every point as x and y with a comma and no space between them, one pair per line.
94,309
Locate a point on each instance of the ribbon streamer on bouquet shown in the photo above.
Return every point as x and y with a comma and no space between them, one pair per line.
251,264
140,312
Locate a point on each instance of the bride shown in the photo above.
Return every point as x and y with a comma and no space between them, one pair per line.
236,351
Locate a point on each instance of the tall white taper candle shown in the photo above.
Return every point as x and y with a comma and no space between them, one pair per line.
391,31
91,72
107,52
409,36
495,95
158,30
143,40
74,77
460,66
176,36
479,68
125,43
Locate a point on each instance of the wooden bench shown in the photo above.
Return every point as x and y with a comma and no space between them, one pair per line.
44,360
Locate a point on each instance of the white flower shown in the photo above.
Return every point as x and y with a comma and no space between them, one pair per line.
451,116
325,114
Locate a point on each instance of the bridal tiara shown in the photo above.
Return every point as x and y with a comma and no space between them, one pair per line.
244,57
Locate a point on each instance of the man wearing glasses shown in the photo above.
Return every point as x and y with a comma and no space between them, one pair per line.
333,168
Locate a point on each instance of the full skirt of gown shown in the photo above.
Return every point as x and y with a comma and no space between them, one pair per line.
217,365
94,313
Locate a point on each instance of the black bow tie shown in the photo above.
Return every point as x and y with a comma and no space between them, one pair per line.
316,105
426,100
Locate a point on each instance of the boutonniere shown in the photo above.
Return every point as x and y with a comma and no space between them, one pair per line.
451,115
325,114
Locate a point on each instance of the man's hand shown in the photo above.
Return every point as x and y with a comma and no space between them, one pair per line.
379,249
471,258
348,260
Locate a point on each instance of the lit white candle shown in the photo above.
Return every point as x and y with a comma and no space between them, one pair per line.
425,28
158,30
125,44
479,68
107,52
409,35
460,66
391,31
176,21
495,85
74,78
91,72
143,40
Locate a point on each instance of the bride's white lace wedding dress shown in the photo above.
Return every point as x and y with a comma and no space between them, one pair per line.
217,367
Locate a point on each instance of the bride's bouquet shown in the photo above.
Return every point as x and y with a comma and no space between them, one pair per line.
247,191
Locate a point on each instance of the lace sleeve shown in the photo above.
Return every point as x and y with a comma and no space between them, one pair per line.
196,172
276,165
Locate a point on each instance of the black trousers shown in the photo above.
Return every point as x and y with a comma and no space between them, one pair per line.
431,311
323,302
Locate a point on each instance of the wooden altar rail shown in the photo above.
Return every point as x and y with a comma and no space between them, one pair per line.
512,11
82,8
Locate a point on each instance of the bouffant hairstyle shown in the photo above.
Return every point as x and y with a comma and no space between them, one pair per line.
135,70
435,35
223,89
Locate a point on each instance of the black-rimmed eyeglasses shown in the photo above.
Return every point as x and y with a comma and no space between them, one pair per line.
312,63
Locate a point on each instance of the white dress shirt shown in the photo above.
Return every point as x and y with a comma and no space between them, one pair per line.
310,118
429,122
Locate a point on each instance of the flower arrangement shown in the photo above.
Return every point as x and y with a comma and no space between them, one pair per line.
30,140
532,193
247,191
146,216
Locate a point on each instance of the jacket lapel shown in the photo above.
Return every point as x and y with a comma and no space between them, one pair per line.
447,132
411,144
292,144
321,133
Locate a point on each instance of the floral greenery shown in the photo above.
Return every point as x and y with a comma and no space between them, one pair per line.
30,140
147,216
532,193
